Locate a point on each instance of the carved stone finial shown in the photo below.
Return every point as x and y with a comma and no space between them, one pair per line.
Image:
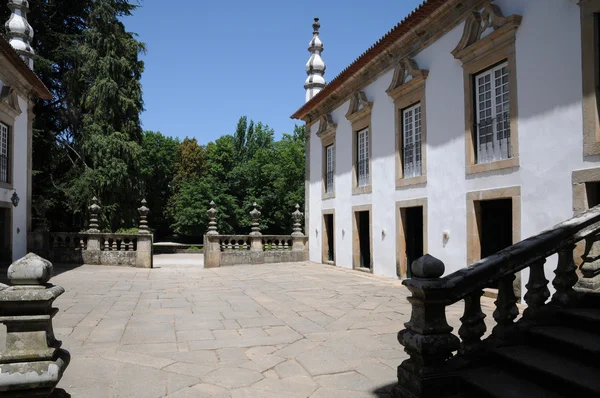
212,219
30,270
94,211
427,267
19,31
315,67
255,214
143,228
297,217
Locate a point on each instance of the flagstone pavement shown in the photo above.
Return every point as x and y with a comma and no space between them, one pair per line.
284,330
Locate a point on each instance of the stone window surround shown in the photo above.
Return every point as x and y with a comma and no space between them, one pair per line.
590,68
407,93
326,132
360,119
478,54
473,227
401,263
9,120
355,241
324,237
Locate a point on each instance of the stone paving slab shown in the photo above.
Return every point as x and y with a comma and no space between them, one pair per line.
280,330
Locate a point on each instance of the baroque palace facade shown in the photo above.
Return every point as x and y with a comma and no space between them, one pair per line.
472,124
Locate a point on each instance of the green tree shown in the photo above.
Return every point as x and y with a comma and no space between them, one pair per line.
157,170
106,100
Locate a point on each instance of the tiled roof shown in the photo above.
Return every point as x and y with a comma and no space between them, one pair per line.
403,27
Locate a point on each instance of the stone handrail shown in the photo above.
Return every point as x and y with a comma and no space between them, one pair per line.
118,242
233,242
428,338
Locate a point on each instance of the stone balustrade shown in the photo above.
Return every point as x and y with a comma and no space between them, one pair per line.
435,353
95,247
255,248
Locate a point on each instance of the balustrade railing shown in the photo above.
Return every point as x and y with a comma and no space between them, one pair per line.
434,351
67,240
277,242
229,243
118,242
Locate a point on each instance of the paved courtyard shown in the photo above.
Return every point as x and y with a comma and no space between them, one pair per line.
286,330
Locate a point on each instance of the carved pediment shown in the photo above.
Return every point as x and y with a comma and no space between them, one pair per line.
326,126
9,101
359,105
479,22
407,77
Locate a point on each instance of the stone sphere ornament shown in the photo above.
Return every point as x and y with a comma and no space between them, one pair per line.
30,270
427,267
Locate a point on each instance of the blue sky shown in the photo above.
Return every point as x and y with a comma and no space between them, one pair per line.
210,62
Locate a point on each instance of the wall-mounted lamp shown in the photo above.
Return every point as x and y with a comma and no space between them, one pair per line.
343,233
316,232
383,234
446,235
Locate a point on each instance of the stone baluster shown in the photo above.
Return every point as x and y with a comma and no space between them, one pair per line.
31,362
506,308
537,290
427,339
472,325
285,245
131,245
590,268
106,244
114,244
566,277
236,246
82,243
279,244
143,228
213,245
298,238
229,246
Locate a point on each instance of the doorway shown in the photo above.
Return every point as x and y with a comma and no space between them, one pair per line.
328,239
495,223
5,235
412,225
363,225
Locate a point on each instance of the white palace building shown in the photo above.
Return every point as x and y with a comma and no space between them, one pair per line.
469,126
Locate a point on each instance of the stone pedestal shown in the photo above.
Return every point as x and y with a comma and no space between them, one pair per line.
212,251
32,362
144,251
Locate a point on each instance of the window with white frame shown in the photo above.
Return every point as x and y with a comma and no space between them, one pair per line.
493,114
4,158
411,146
362,167
329,168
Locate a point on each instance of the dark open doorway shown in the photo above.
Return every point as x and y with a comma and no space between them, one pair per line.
495,227
592,190
412,219
328,243
363,225
5,235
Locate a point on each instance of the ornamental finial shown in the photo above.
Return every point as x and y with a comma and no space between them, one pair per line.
315,67
212,219
19,31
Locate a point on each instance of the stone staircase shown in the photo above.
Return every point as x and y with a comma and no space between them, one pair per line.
560,360
551,351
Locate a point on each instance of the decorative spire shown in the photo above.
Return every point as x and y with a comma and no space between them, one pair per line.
19,31
143,228
297,217
212,219
315,67
255,214
94,210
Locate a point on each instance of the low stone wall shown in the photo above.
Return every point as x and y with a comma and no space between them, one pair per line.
133,250
225,250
